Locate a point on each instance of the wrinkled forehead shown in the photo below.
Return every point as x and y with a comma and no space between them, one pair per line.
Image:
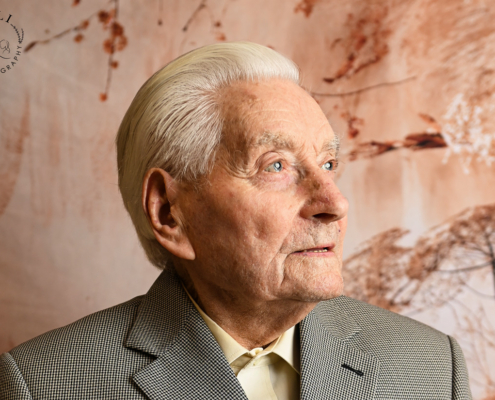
271,112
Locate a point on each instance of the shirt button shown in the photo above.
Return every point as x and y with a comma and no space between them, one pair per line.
255,352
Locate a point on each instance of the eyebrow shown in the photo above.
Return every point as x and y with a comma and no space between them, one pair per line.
275,139
332,146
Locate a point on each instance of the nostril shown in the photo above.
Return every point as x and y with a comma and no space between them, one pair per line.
322,216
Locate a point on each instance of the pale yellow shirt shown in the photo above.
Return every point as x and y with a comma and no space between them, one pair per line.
264,374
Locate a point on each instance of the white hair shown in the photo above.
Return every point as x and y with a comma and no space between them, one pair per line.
175,122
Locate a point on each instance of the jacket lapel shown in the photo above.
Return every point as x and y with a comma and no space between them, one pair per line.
190,364
332,366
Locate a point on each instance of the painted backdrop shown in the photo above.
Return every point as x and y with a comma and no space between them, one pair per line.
408,85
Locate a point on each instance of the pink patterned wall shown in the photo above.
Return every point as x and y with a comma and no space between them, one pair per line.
409,85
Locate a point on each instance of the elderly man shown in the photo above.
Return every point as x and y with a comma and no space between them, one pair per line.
226,167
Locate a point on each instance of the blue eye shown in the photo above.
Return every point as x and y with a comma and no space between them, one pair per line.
330,165
275,167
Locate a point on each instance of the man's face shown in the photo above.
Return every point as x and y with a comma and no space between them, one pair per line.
270,223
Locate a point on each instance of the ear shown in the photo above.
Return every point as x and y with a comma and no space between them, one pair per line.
159,198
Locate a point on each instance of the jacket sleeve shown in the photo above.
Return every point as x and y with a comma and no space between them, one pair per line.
460,379
12,384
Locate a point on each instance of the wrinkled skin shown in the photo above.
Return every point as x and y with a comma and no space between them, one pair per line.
244,242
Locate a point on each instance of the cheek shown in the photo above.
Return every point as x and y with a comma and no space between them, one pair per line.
248,224
276,182
262,210
272,218
342,223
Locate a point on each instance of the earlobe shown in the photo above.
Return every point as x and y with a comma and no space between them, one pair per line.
159,200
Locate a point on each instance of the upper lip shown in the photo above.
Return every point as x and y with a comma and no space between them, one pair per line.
328,246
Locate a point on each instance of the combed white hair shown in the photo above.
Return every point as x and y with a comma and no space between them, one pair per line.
175,122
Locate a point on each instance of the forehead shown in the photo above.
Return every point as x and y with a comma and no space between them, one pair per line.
257,113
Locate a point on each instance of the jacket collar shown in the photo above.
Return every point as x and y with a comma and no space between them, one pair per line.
191,364
161,316
332,364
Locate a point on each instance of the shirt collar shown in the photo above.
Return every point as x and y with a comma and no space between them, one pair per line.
285,346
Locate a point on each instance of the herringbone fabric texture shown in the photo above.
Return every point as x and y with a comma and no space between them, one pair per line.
158,347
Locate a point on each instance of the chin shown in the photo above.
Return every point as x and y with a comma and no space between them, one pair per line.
330,293
313,280
321,290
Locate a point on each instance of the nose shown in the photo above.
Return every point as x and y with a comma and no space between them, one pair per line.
324,201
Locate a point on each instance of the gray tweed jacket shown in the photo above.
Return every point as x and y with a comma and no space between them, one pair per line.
157,346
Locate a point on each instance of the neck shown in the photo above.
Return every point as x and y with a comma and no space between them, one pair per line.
250,323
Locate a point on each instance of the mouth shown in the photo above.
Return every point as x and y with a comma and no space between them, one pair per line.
321,250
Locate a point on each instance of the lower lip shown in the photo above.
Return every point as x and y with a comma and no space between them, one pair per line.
327,253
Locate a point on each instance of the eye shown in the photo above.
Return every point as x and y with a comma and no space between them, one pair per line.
330,165
275,167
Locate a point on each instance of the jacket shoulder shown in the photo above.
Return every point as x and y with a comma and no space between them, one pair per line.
90,352
90,331
386,333
408,350
368,313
